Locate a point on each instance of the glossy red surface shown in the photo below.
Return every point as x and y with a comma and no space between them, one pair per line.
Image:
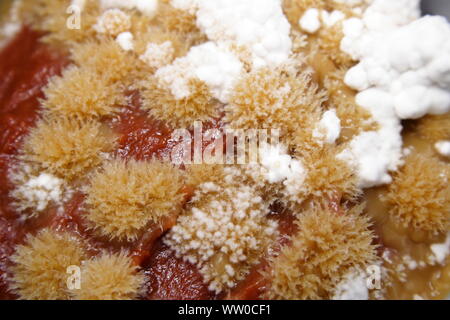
141,137
25,67
172,278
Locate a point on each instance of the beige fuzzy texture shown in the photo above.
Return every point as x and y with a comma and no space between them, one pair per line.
329,43
113,22
162,105
105,58
419,196
201,173
68,148
354,119
158,35
123,198
328,178
327,40
434,127
83,93
169,24
179,21
40,265
326,247
294,9
284,98
109,277
51,17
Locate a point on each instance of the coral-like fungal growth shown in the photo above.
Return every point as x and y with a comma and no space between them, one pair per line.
83,93
109,277
124,197
419,195
327,246
68,148
224,231
40,265
179,113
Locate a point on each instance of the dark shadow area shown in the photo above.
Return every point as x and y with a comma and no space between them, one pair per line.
436,7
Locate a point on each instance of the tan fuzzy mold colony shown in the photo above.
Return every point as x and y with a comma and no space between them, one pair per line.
162,105
112,22
157,37
322,47
197,174
328,177
54,18
354,119
327,246
419,196
329,44
158,54
294,9
179,21
68,148
123,198
434,127
108,60
169,24
40,265
109,277
99,96
280,99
